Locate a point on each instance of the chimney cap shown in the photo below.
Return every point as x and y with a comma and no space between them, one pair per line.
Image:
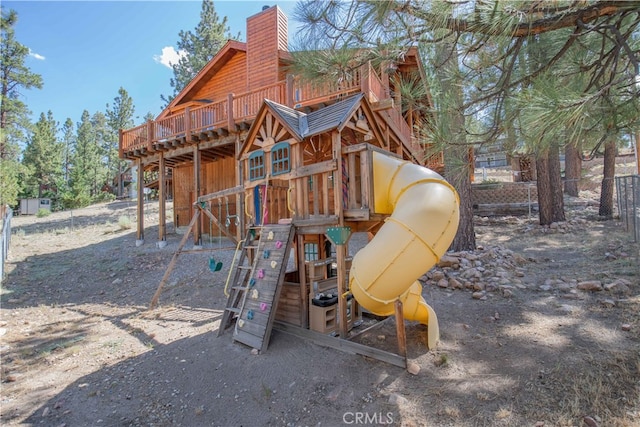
265,7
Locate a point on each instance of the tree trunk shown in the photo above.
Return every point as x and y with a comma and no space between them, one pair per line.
544,189
456,150
555,184
606,189
459,177
572,169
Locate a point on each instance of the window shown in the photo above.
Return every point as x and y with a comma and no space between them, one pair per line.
256,165
280,158
310,251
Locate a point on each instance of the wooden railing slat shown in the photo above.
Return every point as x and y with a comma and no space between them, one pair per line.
243,107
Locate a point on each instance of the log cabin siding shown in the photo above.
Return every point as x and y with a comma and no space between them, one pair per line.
215,176
231,78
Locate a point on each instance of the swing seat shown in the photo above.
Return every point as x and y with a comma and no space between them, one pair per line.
213,265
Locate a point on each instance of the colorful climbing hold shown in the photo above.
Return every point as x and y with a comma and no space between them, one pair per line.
254,294
250,315
278,244
273,264
241,323
252,282
270,235
263,306
261,273
266,254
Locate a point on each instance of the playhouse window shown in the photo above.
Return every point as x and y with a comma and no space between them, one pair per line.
310,251
280,158
256,165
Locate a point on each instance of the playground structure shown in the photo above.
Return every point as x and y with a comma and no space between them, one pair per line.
288,171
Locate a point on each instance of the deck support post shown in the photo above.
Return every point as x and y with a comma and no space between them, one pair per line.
197,230
140,205
400,331
162,200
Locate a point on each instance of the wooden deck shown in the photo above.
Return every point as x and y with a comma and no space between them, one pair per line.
213,124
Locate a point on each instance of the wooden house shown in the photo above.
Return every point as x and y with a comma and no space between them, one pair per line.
288,169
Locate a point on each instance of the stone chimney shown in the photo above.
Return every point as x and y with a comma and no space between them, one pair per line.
266,34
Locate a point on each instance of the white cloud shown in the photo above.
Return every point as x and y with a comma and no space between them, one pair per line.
169,56
36,55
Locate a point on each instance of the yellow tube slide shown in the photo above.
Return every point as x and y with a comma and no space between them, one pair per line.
423,222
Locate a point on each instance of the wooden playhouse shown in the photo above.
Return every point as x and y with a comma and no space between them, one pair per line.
288,170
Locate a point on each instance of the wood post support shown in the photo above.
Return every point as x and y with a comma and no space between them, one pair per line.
400,331
162,208
341,253
140,206
197,231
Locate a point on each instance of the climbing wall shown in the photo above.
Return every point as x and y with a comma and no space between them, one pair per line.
258,310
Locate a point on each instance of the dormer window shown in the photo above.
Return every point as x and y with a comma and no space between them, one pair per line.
280,156
256,165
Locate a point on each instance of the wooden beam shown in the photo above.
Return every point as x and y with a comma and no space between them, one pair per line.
140,205
222,193
172,263
400,331
162,196
197,233
342,345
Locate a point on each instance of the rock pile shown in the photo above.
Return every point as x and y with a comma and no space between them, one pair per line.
501,271
493,269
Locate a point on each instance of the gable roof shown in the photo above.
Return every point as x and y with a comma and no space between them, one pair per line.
230,48
302,125
316,122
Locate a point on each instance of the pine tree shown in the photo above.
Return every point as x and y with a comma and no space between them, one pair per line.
68,141
199,47
85,156
119,116
99,175
43,158
500,77
14,76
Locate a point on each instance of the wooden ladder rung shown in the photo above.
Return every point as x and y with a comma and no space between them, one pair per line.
240,288
233,309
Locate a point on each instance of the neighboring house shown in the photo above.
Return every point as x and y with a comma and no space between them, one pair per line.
250,144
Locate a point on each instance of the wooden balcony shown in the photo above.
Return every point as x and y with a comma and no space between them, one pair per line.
237,112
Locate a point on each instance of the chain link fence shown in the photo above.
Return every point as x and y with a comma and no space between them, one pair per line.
628,192
5,236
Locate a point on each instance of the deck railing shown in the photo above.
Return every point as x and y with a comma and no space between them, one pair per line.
306,93
246,105
136,138
293,92
209,116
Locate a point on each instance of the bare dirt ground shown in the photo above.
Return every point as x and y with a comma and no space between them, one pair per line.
540,327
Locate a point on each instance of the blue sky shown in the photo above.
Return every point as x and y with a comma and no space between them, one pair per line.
86,50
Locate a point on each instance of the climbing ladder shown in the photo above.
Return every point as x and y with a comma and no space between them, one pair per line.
255,289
